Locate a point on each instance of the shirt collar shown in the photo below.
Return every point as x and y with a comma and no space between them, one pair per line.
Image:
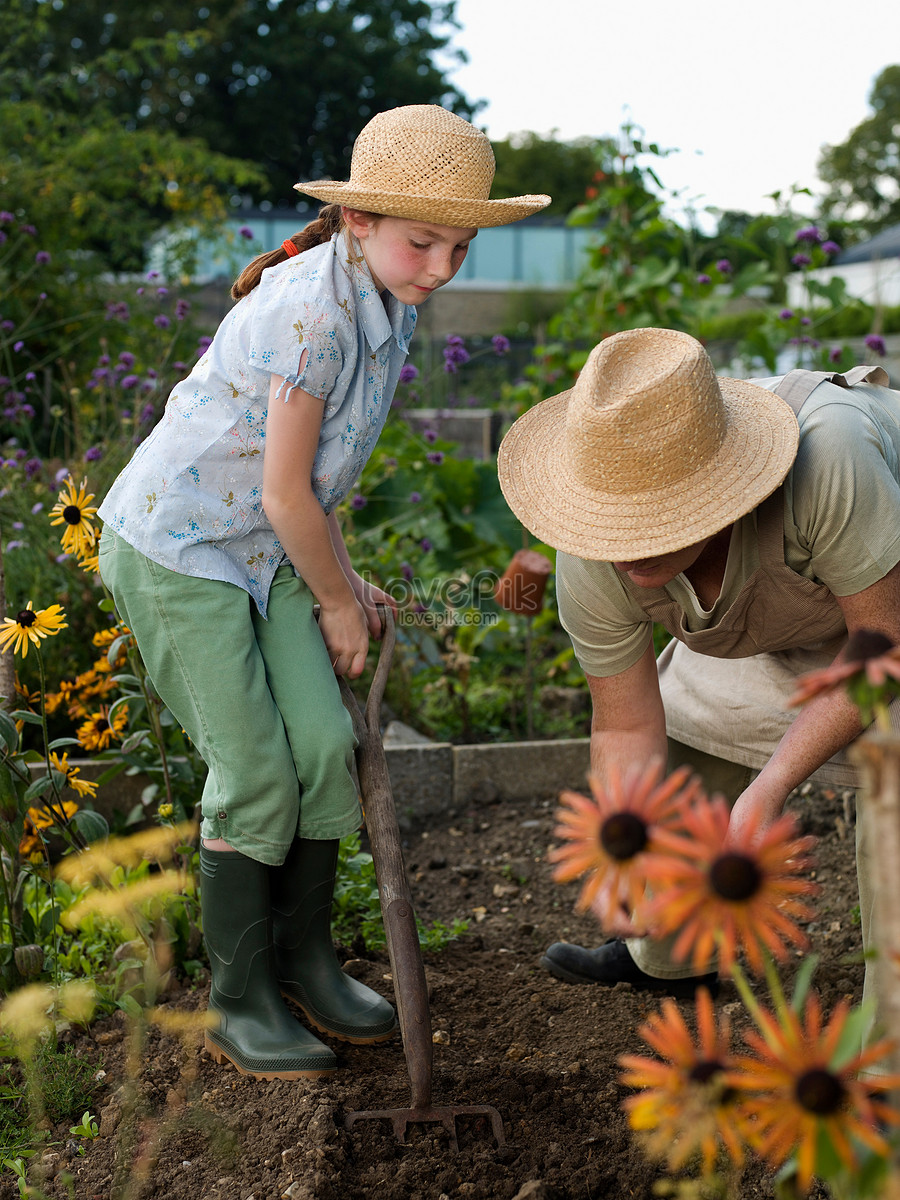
378,321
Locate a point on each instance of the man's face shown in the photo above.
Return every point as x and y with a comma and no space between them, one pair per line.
657,572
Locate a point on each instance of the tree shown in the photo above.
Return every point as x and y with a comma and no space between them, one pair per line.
864,171
286,86
527,163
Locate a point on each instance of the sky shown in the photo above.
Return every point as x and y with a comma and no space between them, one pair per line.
747,94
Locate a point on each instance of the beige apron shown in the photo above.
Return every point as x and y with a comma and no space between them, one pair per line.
724,687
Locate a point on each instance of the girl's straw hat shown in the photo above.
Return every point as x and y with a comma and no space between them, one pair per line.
649,452
425,163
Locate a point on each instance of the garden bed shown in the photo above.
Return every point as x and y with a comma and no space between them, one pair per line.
541,1052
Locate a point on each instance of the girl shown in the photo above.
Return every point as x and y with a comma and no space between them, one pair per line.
220,536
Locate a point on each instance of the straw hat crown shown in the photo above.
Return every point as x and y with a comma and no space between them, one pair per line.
424,162
643,416
648,453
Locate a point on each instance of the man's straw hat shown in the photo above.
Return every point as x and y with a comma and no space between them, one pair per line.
649,452
427,164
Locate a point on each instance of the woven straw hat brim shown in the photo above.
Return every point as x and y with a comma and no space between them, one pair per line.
443,210
757,451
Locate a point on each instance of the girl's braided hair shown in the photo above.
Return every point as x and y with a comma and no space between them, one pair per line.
329,222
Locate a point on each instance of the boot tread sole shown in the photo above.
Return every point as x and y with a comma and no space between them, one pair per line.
220,1055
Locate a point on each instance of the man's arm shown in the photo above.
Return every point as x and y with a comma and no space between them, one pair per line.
826,724
628,727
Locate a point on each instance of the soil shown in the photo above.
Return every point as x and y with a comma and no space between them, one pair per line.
507,1035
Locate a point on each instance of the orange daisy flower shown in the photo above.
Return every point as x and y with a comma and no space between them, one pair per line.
687,1106
84,787
739,894
801,1086
98,731
610,837
30,626
869,669
73,509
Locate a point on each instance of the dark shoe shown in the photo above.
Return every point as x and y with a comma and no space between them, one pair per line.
256,1032
306,963
611,963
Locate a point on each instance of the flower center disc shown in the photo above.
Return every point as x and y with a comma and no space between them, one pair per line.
819,1092
735,877
72,514
623,835
26,618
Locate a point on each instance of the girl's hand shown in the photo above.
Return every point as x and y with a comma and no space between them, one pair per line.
369,597
345,632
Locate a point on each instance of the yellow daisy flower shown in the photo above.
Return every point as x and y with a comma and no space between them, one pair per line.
84,787
30,626
98,732
75,511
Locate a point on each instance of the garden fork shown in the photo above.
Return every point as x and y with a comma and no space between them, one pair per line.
399,917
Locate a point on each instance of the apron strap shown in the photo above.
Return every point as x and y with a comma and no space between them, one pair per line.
797,386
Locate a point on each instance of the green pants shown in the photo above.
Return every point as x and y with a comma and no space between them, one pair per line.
258,698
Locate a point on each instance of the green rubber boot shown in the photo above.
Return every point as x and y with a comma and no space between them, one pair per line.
256,1032
305,960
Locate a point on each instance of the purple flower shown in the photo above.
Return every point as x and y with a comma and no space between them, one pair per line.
874,341
203,345
406,571
408,372
139,291
724,266
18,525
93,453
7,325
801,260
14,545
358,501
126,358
6,217
500,344
162,291
834,354
809,233
425,544
415,497
246,232
61,476
806,320
161,321
435,457
430,436
179,366
2,236
130,381
27,411
18,346
455,354
151,275
29,229
182,308
42,257
831,247
36,508
786,314
147,413
704,279
118,312
33,467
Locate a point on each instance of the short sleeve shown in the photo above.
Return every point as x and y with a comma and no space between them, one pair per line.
296,326
845,489
609,632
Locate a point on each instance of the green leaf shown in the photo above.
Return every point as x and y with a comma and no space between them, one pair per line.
29,718
9,733
39,788
64,741
92,826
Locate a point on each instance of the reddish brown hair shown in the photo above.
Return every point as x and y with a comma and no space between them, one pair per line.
329,222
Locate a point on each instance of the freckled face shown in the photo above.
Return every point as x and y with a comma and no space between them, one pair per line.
410,259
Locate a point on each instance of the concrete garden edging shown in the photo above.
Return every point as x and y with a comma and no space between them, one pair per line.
427,778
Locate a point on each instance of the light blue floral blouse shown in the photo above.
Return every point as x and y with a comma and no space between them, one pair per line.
191,497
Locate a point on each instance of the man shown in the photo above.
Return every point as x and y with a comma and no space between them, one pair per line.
757,537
